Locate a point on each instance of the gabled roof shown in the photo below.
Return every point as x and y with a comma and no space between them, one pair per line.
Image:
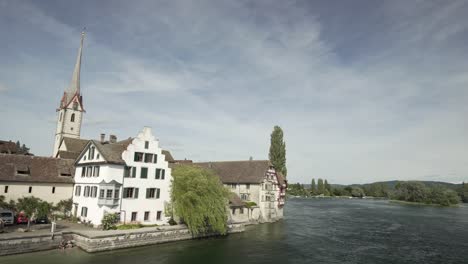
39,169
248,171
168,156
112,152
235,201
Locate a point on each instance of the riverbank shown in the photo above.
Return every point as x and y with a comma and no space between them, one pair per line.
421,204
98,240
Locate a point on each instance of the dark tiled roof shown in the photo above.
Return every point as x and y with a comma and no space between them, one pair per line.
40,169
8,147
68,154
168,156
112,152
248,171
75,144
235,201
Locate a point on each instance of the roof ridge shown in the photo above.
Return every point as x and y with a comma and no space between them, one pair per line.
232,161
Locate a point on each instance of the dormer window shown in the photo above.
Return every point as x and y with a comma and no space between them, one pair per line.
72,119
91,152
23,170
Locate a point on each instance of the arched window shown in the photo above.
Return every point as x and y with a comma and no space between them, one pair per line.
60,119
72,117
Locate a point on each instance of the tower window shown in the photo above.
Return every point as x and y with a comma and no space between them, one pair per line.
60,119
75,106
72,119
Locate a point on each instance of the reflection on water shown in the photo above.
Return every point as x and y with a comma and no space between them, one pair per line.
314,231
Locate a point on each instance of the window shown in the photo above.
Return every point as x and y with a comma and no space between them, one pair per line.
127,171
6,189
86,191
109,194
148,157
134,216
89,171
91,152
244,196
247,186
233,211
75,106
152,193
144,173
94,191
72,119
130,193
241,210
84,157
96,171
60,119
101,194
53,189
138,156
83,171
116,193
233,185
84,211
155,158
146,216
160,173
30,189
97,156
146,144
158,215
77,190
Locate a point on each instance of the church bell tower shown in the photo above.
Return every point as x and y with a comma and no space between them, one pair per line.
70,111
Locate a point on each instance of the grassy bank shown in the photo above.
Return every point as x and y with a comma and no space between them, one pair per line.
420,204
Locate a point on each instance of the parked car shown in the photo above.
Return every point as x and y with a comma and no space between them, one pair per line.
41,220
21,218
7,216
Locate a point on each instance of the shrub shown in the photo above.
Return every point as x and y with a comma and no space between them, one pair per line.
250,204
109,221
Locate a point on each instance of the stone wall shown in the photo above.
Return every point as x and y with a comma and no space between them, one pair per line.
94,241
134,238
26,244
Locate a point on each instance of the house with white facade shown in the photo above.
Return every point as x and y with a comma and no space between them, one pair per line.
258,185
130,177
49,179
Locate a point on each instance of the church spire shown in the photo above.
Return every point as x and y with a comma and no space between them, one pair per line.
75,82
74,88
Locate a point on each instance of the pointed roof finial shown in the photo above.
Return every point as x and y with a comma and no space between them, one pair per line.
74,87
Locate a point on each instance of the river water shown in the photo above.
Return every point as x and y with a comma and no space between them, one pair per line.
313,231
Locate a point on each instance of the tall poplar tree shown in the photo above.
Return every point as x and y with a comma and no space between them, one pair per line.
277,153
320,187
313,187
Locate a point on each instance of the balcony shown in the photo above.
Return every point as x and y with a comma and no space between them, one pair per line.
108,202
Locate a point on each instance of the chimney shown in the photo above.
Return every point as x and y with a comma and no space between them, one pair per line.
103,137
112,138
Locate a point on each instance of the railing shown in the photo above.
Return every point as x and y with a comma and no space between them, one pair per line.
109,202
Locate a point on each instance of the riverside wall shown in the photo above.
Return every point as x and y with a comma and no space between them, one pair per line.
95,241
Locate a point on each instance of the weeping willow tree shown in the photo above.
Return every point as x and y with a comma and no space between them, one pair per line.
199,199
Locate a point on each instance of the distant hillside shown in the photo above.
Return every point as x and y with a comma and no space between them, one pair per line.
391,184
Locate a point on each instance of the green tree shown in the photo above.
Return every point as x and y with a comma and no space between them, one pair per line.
65,206
277,153
199,199
28,205
357,192
44,209
313,187
328,187
320,187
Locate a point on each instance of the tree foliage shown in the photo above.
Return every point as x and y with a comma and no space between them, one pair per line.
418,192
199,199
28,205
277,153
320,187
313,187
65,206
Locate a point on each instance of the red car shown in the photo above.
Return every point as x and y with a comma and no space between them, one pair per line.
21,219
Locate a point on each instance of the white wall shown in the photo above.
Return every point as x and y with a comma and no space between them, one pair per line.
43,191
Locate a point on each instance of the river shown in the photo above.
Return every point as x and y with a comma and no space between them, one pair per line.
313,231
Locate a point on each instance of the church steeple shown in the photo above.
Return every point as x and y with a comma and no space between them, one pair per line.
71,106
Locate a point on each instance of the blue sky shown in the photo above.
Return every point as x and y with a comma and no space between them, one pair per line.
364,90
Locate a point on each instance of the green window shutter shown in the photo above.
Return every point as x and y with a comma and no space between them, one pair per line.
163,174
147,193
144,173
157,193
158,173
133,172
136,193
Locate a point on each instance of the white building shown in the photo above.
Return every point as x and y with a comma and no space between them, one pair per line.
49,179
130,177
252,181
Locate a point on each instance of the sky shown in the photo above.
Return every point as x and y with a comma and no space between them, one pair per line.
364,91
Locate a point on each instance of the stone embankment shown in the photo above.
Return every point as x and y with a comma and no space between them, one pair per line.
95,241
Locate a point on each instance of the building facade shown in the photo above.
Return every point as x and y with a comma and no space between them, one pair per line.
49,179
257,184
130,177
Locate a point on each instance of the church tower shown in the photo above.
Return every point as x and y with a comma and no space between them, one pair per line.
70,111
